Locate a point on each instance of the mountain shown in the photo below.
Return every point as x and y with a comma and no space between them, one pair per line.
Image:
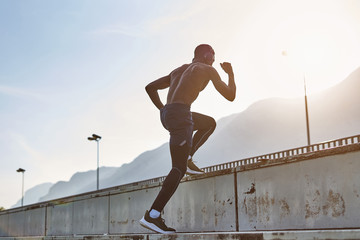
33,194
266,126
79,183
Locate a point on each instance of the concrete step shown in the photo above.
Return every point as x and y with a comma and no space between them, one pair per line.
255,235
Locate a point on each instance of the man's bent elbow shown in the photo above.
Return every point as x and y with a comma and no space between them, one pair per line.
232,97
148,88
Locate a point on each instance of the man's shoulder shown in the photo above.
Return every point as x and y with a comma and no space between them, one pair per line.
204,66
181,68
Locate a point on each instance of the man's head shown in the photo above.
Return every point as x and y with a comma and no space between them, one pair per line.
204,53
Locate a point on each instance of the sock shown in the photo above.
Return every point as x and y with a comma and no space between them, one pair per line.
154,213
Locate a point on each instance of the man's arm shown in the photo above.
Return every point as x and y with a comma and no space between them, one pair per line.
227,91
153,87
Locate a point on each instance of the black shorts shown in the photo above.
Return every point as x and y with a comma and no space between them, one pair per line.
177,119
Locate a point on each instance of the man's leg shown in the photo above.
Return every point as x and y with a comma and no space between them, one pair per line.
179,155
152,219
177,119
204,127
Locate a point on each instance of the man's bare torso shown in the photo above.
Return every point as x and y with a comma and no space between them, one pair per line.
187,81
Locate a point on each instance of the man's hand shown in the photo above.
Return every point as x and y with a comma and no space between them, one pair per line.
226,66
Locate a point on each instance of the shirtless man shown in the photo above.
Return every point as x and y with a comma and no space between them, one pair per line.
185,83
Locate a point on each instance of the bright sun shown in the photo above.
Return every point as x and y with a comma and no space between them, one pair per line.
309,44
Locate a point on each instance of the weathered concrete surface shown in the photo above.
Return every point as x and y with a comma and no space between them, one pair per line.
4,225
60,219
311,194
203,205
16,224
34,224
126,209
91,216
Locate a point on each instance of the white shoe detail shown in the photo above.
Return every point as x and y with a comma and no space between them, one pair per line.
153,227
189,171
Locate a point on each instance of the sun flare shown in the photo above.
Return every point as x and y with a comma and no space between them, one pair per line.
310,44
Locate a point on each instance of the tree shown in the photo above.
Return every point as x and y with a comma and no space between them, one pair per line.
2,208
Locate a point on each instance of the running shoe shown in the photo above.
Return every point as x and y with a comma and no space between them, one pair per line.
155,224
192,169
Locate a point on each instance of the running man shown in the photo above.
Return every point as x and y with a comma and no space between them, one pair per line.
185,83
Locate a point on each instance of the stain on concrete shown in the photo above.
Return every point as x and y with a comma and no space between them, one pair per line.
335,205
219,214
179,215
265,204
252,189
205,216
313,205
244,236
356,193
123,222
112,222
203,210
250,207
284,208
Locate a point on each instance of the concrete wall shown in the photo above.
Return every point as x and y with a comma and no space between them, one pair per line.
127,208
313,194
4,225
311,191
59,219
34,222
203,205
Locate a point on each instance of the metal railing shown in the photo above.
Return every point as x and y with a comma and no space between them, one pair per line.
287,153
271,156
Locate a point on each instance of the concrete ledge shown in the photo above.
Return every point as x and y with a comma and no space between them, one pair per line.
313,235
308,191
350,234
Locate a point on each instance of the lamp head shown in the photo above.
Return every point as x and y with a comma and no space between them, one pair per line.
96,136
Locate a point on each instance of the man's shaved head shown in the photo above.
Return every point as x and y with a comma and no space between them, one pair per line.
202,49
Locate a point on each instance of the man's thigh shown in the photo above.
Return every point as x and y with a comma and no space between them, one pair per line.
202,121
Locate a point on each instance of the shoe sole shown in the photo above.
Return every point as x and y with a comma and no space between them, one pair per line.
192,172
153,227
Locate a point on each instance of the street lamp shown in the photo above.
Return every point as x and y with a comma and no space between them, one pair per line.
22,191
285,54
97,139
307,115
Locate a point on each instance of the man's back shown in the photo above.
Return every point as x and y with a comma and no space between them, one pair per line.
187,81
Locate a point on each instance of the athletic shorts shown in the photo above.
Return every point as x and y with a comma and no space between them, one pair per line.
177,119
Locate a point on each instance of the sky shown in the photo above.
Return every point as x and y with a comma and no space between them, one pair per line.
69,69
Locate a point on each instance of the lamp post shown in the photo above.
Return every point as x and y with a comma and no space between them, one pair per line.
285,54
307,115
97,139
22,188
